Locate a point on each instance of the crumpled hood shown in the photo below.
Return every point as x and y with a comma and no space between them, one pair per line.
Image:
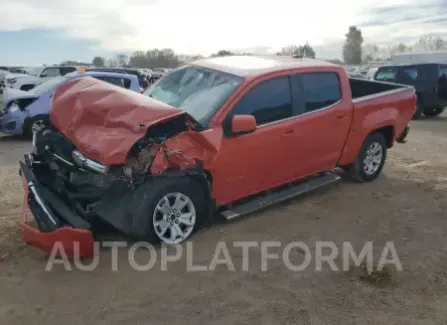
104,121
11,94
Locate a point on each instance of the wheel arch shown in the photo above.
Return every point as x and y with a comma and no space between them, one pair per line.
203,178
387,132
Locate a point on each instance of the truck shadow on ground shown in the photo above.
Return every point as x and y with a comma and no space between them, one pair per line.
442,119
436,125
349,200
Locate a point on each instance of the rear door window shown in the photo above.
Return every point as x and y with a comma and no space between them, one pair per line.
318,90
411,72
386,74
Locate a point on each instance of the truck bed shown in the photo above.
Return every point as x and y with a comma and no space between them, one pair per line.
364,88
391,104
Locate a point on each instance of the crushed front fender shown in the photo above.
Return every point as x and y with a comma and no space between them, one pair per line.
64,227
74,242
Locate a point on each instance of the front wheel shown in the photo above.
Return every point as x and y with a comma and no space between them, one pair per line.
176,211
370,160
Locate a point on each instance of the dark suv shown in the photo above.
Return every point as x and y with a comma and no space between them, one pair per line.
429,79
142,80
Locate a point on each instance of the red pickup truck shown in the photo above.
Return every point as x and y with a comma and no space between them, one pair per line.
226,135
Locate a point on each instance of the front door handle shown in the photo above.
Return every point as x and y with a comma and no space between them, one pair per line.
289,131
340,117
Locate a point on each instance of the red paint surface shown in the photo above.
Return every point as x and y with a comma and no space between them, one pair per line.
65,236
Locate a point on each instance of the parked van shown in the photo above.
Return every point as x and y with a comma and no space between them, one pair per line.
430,81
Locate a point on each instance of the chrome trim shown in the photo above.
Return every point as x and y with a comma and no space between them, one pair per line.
383,93
62,159
96,166
300,115
40,202
83,161
360,99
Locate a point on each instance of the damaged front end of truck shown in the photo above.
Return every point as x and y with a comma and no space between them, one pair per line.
98,167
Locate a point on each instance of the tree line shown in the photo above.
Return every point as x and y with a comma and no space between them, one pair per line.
167,58
354,51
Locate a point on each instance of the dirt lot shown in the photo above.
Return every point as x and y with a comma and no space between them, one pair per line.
406,205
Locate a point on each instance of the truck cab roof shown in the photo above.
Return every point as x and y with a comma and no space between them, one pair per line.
253,66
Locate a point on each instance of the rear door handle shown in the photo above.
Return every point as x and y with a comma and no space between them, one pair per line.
289,131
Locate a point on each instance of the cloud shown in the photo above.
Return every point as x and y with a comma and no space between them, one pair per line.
205,26
406,21
102,21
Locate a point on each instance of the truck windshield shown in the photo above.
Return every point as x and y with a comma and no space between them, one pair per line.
196,90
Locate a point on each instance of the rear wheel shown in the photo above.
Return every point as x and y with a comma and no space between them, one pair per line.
370,160
433,111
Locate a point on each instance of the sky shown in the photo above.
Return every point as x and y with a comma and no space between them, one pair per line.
35,32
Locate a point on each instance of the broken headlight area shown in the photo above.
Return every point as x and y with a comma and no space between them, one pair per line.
63,157
65,161
84,162
18,105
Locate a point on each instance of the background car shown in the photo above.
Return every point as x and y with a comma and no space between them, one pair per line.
143,81
429,80
24,111
159,72
29,81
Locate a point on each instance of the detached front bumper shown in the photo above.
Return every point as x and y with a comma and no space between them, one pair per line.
56,222
403,135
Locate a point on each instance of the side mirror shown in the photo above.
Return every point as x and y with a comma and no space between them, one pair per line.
43,75
243,124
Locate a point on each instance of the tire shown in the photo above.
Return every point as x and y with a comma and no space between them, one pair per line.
27,87
359,171
31,123
433,111
419,110
187,189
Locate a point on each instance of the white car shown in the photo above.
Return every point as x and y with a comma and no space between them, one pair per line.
159,72
3,73
146,72
27,82
371,72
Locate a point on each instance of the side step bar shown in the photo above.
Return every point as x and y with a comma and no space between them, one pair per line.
276,196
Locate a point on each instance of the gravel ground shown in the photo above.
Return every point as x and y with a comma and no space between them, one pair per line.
406,205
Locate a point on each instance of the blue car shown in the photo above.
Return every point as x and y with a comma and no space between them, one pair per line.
23,111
